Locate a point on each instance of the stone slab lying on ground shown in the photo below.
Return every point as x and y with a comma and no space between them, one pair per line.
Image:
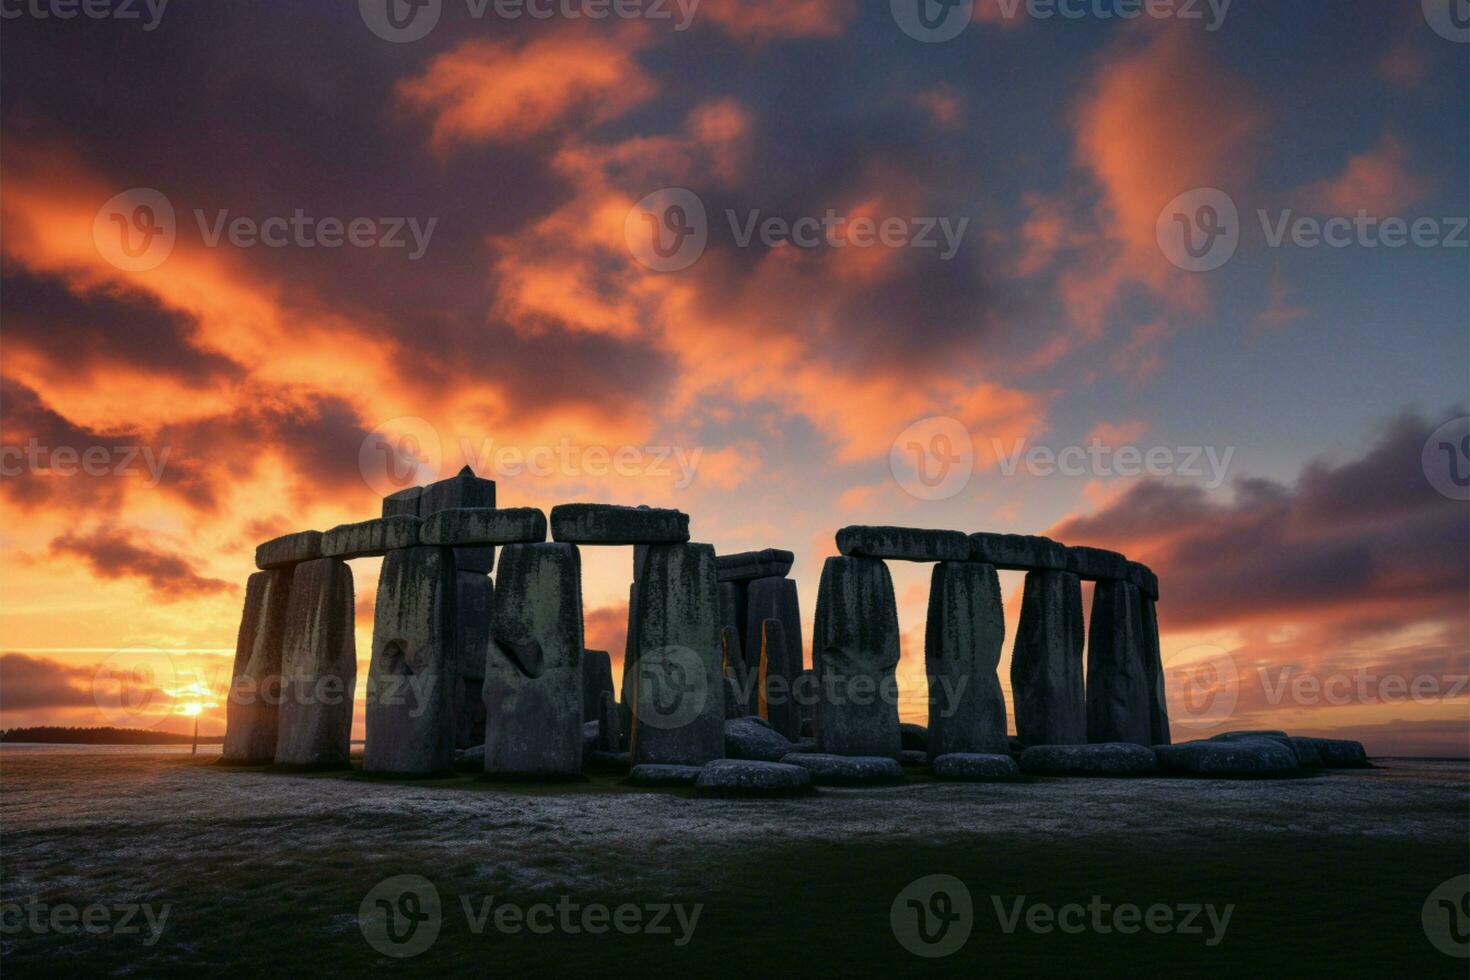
1018,552
754,738
470,526
1144,578
1243,758
371,539
975,767
847,770
902,543
653,774
612,524
743,777
1095,564
1338,753
1104,759
288,550
745,565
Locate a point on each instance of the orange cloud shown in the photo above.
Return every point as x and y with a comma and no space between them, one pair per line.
1379,181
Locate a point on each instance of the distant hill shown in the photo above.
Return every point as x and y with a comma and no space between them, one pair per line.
101,736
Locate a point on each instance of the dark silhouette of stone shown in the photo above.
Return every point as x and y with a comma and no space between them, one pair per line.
1046,663
914,758
253,709
969,767
596,681
467,702
745,778
609,724
678,692
414,671
775,598
733,666
480,526
371,539
1143,577
847,770
1244,758
1018,552
288,550
318,667
754,738
612,524
471,758
1096,564
902,543
1099,759
655,775
533,674
1117,680
770,563
1339,753
775,680
732,606
463,490
1153,666
963,636
915,737
630,656
404,503
854,653
1307,755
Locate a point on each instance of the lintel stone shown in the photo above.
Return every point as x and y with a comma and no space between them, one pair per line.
466,526
288,550
902,543
1094,564
612,524
370,539
1018,552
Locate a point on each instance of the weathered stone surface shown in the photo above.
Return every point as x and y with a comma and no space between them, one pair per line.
776,682
610,725
847,770
533,674
404,503
732,665
596,681
610,760
678,705
630,656
753,738
650,774
854,653
1117,681
1339,753
1046,662
902,543
770,563
1143,577
963,636
318,667
253,708
414,670
1153,666
612,524
732,606
591,739
1100,759
467,702
471,526
734,700
463,490
742,777
1023,552
776,598
917,758
1307,754
369,539
288,550
914,736
969,767
1243,757
1096,564
804,745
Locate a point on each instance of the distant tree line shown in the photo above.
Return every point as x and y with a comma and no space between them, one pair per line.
100,736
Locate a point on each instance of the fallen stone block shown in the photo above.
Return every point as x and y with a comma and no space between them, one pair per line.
745,778
1046,662
963,635
1144,578
467,702
404,503
615,525
847,770
753,738
902,543
288,550
1254,735
318,667
970,767
1339,753
1018,552
854,653
466,527
1243,758
1118,704
1096,564
770,563
371,539
1106,759
252,711
463,490
651,774
596,681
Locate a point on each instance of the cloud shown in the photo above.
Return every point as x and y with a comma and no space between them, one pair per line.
772,20
27,683
1380,181
117,554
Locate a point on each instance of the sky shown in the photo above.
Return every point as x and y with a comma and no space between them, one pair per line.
927,271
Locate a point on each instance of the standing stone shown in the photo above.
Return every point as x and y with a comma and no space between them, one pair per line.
415,664
1117,681
596,681
1153,665
733,607
404,503
1046,664
533,673
775,598
678,706
630,656
963,637
854,652
609,724
777,704
467,706
736,671
318,667
253,709
462,490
